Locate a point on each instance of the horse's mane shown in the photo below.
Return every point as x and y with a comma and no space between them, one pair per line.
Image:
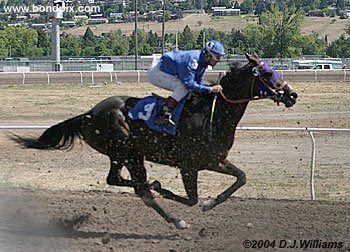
235,67
231,75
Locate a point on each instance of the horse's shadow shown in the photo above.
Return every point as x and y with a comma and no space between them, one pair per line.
61,231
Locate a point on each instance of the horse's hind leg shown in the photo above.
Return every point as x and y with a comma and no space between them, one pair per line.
225,167
189,178
114,176
139,177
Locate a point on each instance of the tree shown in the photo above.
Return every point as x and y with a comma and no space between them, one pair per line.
340,5
201,39
102,49
235,40
323,4
253,39
89,38
282,29
143,47
154,41
339,48
4,50
247,6
311,44
187,40
44,42
23,41
118,43
71,45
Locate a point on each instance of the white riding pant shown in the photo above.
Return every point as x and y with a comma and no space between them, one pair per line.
167,81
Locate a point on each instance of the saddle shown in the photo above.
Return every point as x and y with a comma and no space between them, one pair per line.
148,108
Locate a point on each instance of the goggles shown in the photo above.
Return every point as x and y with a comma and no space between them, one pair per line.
215,57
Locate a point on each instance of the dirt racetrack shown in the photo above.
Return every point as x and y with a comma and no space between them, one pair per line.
59,201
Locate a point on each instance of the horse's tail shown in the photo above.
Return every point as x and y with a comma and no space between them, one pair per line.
59,136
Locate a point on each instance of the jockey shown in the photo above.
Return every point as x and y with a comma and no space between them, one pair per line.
183,71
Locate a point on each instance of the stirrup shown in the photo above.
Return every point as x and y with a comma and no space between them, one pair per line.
164,120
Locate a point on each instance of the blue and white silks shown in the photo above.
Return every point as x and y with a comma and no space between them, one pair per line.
147,109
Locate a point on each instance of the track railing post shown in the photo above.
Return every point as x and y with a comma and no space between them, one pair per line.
23,78
312,165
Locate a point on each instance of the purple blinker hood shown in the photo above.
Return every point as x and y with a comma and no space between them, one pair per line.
262,89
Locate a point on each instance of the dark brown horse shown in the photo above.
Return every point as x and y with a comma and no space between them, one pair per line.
202,141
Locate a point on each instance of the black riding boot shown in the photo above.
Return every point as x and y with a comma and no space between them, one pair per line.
164,116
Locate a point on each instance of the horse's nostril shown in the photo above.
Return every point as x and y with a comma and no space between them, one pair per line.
294,95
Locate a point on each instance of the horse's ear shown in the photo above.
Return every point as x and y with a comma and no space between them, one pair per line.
256,55
252,58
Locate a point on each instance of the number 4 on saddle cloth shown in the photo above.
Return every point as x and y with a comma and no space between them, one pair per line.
148,108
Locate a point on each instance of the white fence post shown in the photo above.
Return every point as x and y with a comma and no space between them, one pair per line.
312,169
116,77
23,78
315,75
138,76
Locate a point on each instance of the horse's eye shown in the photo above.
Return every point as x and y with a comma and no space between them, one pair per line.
267,75
255,71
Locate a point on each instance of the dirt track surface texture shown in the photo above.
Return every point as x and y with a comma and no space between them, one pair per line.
45,220
59,201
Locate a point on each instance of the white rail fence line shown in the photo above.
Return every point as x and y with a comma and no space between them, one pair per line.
309,130
94,77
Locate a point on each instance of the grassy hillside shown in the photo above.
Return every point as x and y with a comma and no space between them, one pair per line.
332,27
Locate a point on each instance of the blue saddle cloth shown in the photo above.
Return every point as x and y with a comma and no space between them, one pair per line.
147,109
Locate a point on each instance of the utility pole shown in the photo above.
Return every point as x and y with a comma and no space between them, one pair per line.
136,46
163,28
176,42
56,14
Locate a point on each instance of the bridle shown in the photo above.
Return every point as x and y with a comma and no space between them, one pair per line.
254,98
257,76
278,94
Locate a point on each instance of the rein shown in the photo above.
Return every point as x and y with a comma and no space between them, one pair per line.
252,98
238,101
245,100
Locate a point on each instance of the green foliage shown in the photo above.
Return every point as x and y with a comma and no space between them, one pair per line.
89,38
4,45
281,31
277,35
253,39
18,42
71,46
44,43
339,48
118,43
187,40
311,44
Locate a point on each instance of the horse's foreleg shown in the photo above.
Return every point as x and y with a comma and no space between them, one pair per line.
189,178
142,189
225,167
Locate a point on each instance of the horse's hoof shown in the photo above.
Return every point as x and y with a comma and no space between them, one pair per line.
181,224
208,204
155,185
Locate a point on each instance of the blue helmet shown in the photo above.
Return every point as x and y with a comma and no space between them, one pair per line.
215,48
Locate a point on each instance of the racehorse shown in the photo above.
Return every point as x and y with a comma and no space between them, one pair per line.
204,136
